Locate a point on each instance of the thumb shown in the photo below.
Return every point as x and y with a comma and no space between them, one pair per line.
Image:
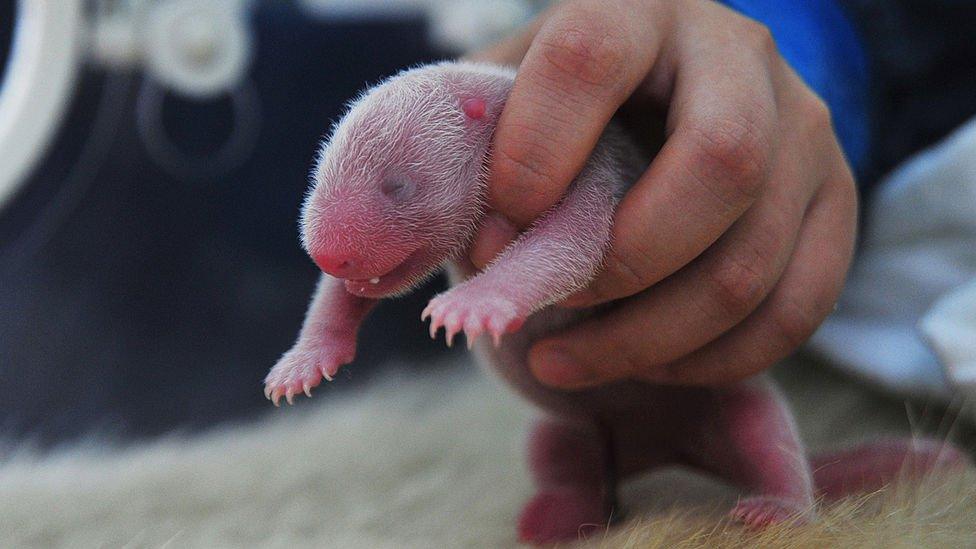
566,364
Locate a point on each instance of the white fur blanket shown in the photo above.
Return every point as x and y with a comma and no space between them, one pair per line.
427,462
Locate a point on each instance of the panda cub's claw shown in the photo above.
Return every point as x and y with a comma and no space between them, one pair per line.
474,313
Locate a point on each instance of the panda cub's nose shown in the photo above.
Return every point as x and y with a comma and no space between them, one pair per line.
339,265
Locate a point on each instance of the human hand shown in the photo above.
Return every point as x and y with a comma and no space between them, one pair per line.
732,247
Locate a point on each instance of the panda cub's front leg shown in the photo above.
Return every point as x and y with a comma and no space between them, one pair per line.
556,256
326,342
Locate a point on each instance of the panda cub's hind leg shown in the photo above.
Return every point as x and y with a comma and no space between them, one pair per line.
751,441
569,464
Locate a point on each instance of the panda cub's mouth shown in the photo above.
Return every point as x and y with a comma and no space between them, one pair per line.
399,280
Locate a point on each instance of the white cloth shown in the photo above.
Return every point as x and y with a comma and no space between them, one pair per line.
907,317
950,326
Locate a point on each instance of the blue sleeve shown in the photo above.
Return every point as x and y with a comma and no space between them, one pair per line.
818,40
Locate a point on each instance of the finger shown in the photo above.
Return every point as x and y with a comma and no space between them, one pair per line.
711,169
692,307
586,59
796,307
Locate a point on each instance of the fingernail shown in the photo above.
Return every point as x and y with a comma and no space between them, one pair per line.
495,233
555,366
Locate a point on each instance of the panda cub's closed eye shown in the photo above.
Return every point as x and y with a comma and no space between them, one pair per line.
398,187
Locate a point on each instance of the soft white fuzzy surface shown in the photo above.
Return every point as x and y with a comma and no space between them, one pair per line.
424,462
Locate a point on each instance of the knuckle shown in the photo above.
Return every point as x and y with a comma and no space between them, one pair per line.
736,286
733,152
524,168
795,324
815,113
759,37
588,48
629,276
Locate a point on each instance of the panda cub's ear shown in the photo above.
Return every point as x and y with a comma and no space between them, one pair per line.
474,108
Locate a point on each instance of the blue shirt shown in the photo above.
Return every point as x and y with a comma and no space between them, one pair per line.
818,40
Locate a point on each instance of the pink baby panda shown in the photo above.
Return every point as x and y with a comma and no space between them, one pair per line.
399,191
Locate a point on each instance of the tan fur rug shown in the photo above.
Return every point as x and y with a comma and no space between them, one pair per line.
429,462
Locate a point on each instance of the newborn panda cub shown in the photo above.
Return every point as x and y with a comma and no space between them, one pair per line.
399,191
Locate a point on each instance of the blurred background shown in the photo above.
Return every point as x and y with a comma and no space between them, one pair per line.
150,269
154,154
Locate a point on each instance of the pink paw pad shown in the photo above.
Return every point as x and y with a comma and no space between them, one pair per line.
561,515
759,512
458,310
298,371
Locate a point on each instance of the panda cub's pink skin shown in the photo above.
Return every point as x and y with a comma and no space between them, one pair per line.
399,191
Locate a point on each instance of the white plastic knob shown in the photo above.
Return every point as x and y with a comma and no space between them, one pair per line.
199,48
